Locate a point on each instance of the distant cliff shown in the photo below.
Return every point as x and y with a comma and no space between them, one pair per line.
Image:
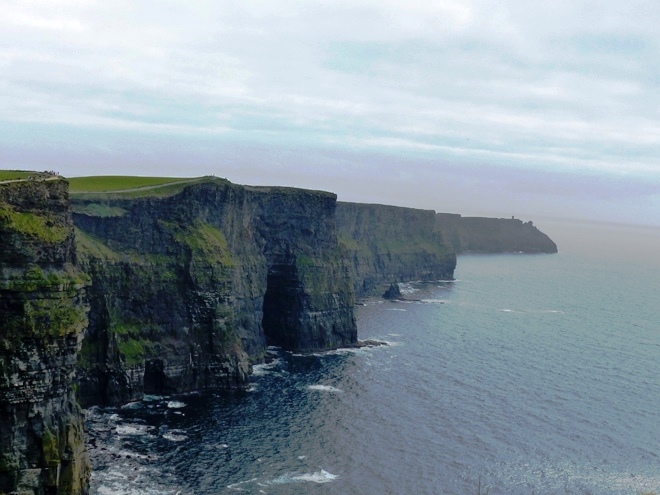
42,320
492,235
388,244
190,286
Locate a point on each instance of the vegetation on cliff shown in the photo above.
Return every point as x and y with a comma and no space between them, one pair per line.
391,244
43,316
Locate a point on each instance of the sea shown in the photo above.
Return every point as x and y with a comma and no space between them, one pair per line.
527,374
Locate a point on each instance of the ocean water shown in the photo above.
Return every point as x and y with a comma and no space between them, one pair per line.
527,374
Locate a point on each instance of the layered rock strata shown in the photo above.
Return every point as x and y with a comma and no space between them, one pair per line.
190,286
43,317
388,244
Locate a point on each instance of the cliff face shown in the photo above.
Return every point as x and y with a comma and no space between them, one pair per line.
492,235
43,316
188,288
388,244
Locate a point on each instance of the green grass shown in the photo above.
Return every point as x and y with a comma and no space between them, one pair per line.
110,188
15,174
110,183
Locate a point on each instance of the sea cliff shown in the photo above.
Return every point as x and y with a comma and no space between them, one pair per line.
492,235
389,244
43,317
178,287
190,286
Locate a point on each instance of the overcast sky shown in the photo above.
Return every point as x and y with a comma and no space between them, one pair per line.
522,108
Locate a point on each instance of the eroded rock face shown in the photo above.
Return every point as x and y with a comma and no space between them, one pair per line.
388,244
42,321
188,289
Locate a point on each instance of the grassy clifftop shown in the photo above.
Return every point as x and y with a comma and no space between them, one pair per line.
129,187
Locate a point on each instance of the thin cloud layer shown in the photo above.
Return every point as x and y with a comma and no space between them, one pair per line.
469,90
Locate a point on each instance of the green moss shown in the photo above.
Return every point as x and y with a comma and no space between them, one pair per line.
53,318
49,448
89,353
88,246
133,351
43,227
98,210
133,342
204,240
34,279
302,260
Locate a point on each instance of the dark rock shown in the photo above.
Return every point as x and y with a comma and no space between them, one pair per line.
492,235
42,320
386,243
188,289
393,292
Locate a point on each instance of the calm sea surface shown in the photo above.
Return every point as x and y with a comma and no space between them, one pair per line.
528,374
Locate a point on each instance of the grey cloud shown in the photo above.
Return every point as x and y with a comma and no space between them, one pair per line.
319,93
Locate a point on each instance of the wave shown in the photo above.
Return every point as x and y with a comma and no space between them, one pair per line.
175,404
133,429
262,369
174,437
321,476
324,388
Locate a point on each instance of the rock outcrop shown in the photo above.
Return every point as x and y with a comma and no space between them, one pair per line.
389,244
492,235
189,287
43,317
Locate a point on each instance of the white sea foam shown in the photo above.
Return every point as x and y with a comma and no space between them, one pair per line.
434,301
235,486
132,429
262,369
175,404
396,309
324,388
173,437
407,288
321,476
132,405
152,398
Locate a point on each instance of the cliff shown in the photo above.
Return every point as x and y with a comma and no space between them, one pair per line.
43,316
492,235
192,282
388,244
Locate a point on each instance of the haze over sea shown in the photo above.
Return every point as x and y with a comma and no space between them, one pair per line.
531,373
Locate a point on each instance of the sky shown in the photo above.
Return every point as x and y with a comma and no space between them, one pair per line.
526,108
